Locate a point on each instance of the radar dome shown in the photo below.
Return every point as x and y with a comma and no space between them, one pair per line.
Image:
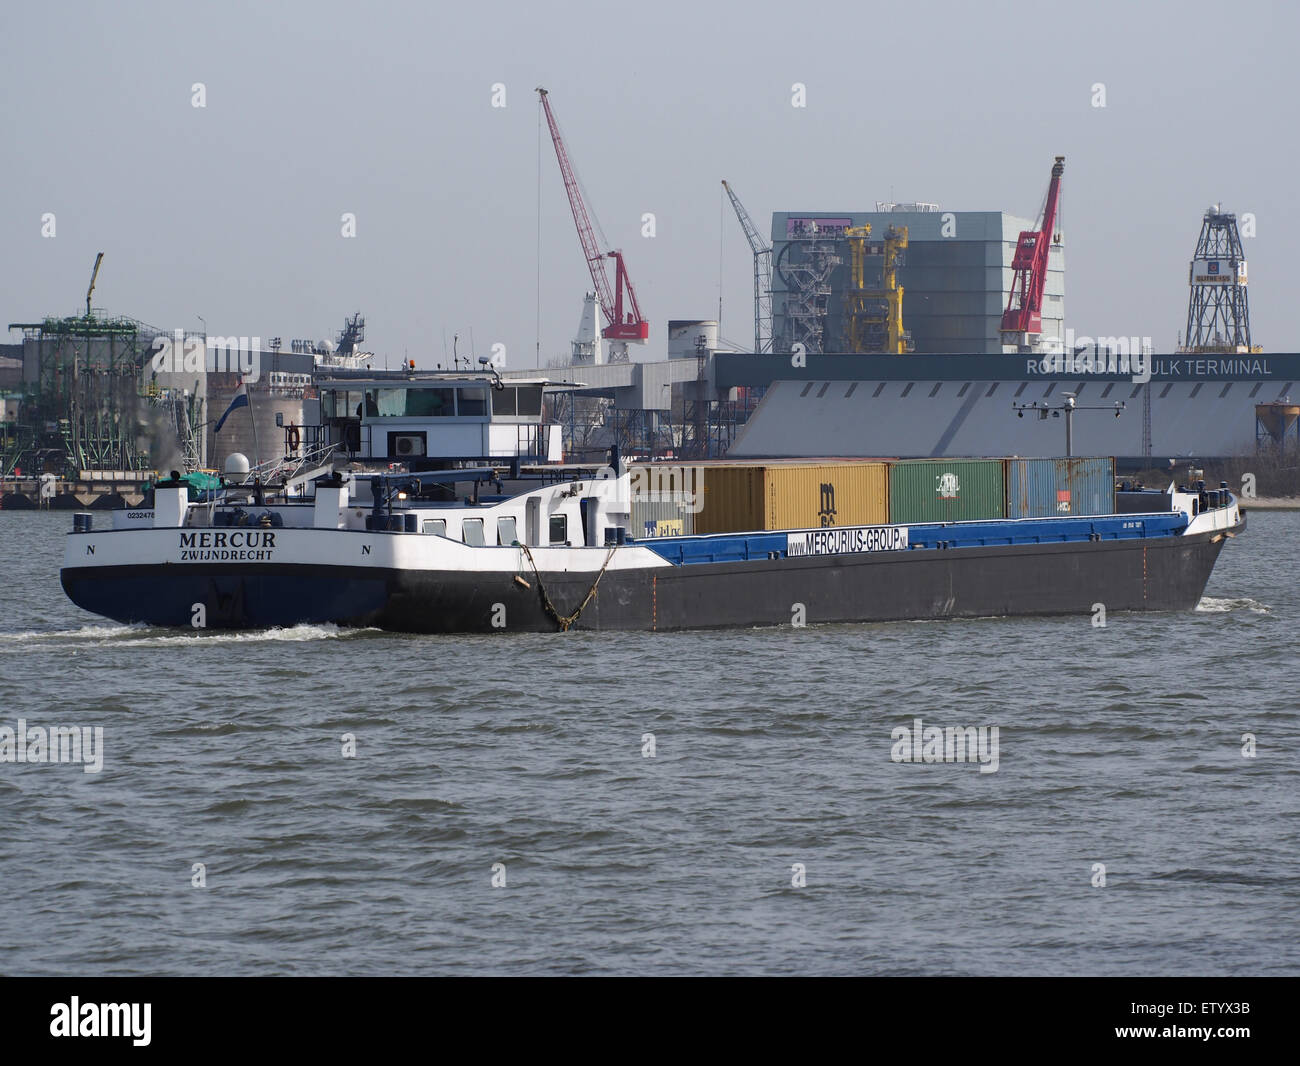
237,463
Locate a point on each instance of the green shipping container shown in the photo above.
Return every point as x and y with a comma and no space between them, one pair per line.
946,490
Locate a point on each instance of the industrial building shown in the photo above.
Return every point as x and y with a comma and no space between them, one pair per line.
1196,406
955,273
100,402
90,398
86,399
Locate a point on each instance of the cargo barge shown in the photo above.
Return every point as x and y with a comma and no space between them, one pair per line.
385,551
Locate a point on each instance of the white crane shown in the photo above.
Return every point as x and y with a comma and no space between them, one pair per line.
762,275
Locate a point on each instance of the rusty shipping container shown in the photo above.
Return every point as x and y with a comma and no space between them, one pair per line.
946,490
731,499
1047,488
737,498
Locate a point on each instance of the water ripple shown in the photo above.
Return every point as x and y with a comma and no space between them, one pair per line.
766,829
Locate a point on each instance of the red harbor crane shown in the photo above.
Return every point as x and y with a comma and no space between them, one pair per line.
623,325
1023,318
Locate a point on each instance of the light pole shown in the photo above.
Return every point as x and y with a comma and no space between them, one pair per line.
1069,407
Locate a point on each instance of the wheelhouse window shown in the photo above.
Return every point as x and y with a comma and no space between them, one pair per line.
506,532
384,403
471,531
430,403
471,402
410,403
517,400
530,400
436,526
559,529
341,403
503,401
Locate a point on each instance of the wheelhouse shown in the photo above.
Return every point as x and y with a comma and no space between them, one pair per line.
410,417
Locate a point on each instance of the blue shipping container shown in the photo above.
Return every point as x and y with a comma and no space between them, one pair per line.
1044,488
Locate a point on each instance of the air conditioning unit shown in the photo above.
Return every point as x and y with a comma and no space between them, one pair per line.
408,445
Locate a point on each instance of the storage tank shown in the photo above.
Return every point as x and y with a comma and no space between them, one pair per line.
266,401
1278,419
686,336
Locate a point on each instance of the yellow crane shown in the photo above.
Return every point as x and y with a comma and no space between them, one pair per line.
900,341
874,317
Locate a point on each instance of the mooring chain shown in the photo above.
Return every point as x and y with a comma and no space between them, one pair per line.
564,621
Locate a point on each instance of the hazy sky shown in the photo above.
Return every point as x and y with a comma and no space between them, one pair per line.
233,211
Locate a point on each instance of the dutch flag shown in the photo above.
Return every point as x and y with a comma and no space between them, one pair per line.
240,400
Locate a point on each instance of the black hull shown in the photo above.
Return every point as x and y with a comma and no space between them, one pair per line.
1159,574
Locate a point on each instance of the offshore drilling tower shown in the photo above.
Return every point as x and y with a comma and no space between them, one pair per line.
1218,310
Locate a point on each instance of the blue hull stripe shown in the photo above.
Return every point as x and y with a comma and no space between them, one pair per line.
738,547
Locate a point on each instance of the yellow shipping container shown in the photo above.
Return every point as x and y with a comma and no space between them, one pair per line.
793,496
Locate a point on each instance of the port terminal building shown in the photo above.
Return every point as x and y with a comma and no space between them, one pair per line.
1193,407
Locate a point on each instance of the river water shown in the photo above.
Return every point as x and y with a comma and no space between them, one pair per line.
769,832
